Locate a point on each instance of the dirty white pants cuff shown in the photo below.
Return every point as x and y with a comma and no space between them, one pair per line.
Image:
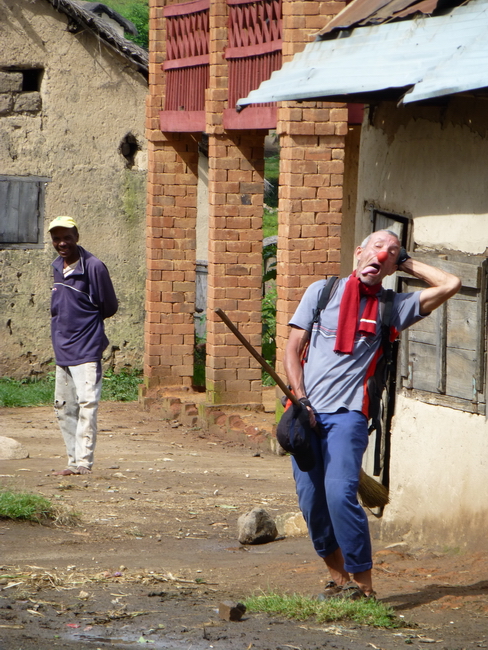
77,394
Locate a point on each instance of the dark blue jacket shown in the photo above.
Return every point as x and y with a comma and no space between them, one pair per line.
79,305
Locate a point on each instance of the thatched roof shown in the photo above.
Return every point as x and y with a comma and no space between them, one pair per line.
100,8
81,18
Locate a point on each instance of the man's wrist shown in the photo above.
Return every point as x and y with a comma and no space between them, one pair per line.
403,256
305,401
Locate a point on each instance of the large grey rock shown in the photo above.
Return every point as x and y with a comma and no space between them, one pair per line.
11,449
256,527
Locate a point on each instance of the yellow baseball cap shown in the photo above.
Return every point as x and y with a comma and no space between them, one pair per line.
63,222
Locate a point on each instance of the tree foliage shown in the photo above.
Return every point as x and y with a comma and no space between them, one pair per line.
137,11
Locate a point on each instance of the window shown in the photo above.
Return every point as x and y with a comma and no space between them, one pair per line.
397,223
443,356
31,79
21,211
20,91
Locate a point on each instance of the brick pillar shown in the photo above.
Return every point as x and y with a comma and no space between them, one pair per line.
235,178
170,287
312,138
171,219
236,173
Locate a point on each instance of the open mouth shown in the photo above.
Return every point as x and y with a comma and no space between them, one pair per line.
372,269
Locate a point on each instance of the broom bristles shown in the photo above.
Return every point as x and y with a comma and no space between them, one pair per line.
371,493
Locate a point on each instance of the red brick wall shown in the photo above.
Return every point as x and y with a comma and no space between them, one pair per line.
235,177
171,219
236,172
312,138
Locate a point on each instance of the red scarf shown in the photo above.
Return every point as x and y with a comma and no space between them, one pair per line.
349,312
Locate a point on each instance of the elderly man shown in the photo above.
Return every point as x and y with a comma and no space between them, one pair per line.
82,297
343,348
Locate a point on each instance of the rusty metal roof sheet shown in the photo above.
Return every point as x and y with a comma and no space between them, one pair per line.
407,60
375,12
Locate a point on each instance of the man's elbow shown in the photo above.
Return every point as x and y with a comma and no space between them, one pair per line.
453,285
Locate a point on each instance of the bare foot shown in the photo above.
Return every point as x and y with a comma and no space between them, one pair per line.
65,472
83,470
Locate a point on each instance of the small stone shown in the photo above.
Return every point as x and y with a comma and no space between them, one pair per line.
291,524
256,527
230,611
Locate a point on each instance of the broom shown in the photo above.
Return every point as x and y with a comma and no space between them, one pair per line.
371,493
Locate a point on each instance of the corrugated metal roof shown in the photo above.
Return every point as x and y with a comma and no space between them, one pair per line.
426,56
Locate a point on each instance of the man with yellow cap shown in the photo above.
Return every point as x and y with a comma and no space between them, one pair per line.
82,298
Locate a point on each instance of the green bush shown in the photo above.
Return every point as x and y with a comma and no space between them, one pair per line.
137,11
121,386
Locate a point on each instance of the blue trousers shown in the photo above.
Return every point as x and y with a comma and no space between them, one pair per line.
327,495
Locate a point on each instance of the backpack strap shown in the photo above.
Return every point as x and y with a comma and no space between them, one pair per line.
386,342
324,298
322,302
381,375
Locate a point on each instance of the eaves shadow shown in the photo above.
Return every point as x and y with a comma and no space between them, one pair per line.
434,592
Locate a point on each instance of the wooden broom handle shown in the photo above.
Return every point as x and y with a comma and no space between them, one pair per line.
264,364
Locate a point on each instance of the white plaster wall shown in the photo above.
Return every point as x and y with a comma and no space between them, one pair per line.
439,465
430,163
91,99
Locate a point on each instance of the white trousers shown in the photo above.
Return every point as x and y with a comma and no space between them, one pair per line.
76,397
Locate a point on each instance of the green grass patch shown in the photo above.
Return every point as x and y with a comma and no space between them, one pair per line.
121,387
272,167
363,612
24,506
270,221
27,392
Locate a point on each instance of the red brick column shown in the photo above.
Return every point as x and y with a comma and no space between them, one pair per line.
171,219
312,138
236,177
236,172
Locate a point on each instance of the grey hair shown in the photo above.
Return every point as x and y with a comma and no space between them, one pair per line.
390,232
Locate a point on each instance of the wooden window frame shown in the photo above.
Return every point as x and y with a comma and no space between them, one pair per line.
458,370
31,241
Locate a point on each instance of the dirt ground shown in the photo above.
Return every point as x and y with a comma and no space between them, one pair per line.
155,551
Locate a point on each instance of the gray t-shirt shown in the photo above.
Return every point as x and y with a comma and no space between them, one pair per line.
334,380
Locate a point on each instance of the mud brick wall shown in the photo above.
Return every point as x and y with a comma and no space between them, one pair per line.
236,179
13,100
312,139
